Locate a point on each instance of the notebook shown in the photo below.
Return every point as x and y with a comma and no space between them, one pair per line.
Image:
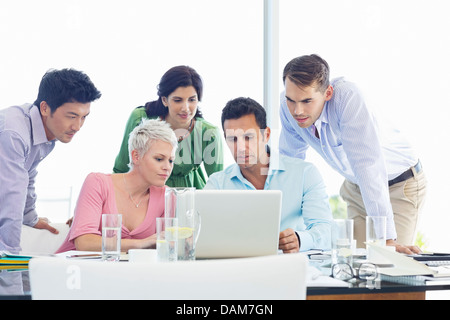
238,223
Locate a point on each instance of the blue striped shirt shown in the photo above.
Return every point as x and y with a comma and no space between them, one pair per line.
23,145
366,152
305,207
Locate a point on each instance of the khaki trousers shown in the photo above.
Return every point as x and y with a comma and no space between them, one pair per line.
407,199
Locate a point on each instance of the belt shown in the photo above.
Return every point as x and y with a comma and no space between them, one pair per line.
406,175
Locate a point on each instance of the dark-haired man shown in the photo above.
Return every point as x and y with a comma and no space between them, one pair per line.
27,135
305,215
383,175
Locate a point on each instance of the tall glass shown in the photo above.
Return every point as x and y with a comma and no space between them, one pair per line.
167,239
341,241
111,236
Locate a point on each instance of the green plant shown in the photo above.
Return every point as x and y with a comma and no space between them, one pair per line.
338,207
421,241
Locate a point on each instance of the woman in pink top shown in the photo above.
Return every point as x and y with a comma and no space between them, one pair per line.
138,194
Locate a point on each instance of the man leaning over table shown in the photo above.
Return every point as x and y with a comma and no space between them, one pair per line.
27,135
306,215
383,176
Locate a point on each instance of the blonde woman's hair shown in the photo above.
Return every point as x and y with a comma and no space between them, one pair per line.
149,130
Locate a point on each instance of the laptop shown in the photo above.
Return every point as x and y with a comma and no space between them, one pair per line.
238,223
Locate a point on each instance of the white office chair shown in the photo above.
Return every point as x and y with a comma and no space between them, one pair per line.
54,202
39,241
269,277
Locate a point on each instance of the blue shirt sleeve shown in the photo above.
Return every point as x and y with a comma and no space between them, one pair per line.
316,212
362,148
14,197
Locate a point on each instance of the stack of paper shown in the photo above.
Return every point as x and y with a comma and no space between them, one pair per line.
12,261
407,266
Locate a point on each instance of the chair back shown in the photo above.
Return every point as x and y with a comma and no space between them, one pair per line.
40,241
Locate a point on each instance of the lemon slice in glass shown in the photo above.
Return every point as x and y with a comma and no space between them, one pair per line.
184,232
345,252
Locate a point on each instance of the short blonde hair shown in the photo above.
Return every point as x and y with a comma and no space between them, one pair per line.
148,131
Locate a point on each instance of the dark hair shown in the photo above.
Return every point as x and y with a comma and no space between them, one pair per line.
239,107
308,70
179,76
67,85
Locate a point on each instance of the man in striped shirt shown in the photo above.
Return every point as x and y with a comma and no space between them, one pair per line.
27,135
383,176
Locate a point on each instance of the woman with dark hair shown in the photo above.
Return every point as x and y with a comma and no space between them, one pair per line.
179,92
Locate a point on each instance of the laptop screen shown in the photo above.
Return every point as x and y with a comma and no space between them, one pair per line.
238,223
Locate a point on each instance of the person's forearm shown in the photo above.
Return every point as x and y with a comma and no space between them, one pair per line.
92,242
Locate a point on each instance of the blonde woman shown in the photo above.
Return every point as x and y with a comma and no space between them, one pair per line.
138,194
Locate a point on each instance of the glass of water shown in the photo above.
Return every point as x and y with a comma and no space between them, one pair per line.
111,236
167,239
341,241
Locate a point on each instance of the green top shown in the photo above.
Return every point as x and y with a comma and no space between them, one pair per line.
204,140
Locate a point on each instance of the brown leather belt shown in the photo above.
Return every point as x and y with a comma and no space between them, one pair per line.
406,175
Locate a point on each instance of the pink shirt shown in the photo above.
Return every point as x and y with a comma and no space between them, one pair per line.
97,197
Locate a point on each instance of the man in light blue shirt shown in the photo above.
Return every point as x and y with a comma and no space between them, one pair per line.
27,135
383,175
305,214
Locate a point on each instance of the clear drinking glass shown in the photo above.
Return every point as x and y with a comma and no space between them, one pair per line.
341,241
167,239
111,236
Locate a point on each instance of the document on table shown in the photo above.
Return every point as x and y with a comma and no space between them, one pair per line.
74,254
407,266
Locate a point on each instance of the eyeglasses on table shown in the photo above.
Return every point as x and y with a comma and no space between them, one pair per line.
345,272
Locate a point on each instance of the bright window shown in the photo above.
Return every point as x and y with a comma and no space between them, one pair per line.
125,47
397,52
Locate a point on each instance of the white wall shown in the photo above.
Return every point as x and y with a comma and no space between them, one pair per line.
125,47
397,52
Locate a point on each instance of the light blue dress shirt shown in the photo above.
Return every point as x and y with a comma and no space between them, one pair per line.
305,207
366,152
23,145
